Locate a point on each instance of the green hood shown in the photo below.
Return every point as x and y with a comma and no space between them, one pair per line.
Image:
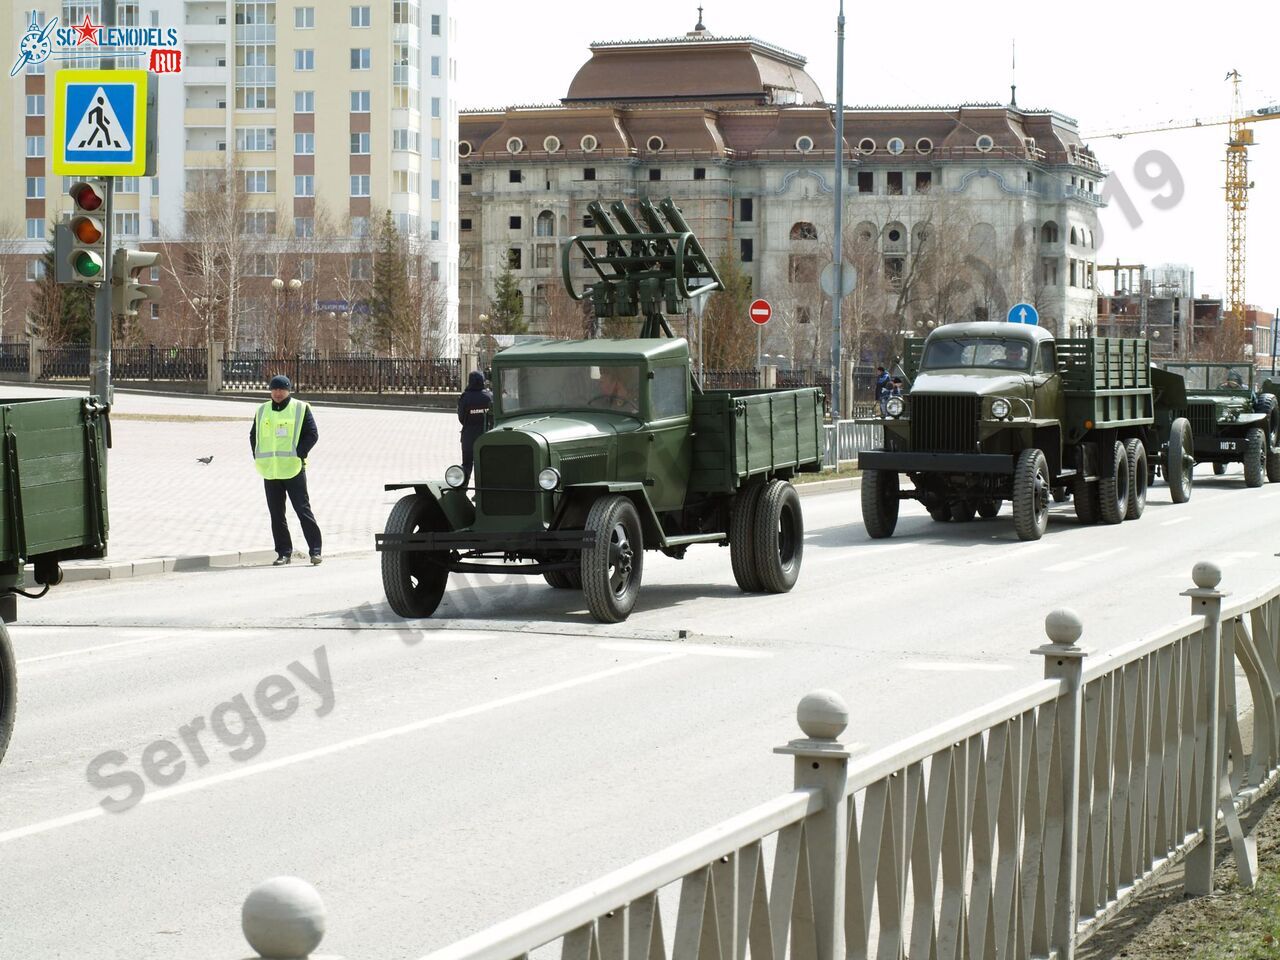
984,382
556,429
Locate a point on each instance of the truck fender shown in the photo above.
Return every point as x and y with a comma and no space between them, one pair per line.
455,507
576,501
1049,440
1247,421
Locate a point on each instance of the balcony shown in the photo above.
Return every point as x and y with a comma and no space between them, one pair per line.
255,33
204,76
264,76
204,159
205,117
195,33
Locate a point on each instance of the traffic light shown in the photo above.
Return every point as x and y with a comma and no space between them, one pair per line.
126,290
87,238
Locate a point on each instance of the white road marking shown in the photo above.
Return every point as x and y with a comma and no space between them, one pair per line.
1009,551
1175,520
240,773
938,666
1067,565
691,649
83,650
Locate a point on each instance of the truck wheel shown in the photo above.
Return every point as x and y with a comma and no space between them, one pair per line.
564,579
612,566
940,510
1255,457
8,690
1031,495
1061,494
988,509
1179,461
962,511
1113,491
1219,469
879,503
413,584
779,539
1273,466
742,538
1136,453
1085,496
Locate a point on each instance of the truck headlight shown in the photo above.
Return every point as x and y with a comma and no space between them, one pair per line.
549,479
1000,408
894,406
455,477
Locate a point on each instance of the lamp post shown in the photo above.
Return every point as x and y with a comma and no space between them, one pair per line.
284,288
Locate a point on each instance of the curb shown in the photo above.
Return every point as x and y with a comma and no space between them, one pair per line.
153,566
828,486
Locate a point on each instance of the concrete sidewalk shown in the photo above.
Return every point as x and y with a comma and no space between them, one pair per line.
169,512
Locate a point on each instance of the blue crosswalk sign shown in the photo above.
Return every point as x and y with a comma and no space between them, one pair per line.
1024,313
100,124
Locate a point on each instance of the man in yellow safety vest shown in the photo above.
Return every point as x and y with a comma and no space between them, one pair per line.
283,433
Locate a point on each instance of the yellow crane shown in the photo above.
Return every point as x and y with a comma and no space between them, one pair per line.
1239,139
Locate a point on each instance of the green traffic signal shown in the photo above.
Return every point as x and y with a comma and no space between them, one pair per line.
86,264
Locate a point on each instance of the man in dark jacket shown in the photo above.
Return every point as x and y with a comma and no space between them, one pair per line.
283,433
473,413
883,385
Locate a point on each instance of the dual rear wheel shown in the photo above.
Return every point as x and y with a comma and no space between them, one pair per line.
766,537
8,690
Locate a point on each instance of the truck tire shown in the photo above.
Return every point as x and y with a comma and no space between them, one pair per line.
962,511
1136,453
1031,495
1255,457
8,690
742,538
939,510
987,509
1273,466
1219,469
613,565
879,503
779,538
1179,461
413,584
564,579
1085,496
1113,491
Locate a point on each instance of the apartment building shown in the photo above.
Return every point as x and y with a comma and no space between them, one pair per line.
324,114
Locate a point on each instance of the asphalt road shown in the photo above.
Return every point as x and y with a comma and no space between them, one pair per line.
434,778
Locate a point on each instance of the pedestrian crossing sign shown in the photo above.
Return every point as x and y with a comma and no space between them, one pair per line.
100,123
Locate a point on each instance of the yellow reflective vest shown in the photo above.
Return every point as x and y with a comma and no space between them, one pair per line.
276,435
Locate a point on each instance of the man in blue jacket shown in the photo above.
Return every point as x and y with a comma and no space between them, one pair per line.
473,413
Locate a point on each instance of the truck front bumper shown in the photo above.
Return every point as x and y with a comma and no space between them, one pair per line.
905,462
467,541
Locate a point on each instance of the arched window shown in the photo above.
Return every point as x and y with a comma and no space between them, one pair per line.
865,233
804,230
545,226
919,237
1073,236
894,238
1090,239
1049,232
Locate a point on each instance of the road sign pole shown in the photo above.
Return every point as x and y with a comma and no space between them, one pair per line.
837,240
100,350
759,338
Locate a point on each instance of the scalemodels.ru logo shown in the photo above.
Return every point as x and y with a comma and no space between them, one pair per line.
97,41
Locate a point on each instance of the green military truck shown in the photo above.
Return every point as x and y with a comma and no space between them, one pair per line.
1231,422
1004,411
53,507
603,449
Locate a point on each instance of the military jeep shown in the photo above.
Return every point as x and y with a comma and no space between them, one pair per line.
1003,411
602,449
1231,422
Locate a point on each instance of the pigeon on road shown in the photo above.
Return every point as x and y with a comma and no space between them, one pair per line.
205,460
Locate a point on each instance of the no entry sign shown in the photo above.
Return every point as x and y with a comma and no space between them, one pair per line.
760,312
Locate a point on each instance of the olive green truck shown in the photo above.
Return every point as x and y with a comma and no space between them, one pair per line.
602,449
1004,411
53,507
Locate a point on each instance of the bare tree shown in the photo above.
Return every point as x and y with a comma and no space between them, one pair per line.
10,243
565,318
348,264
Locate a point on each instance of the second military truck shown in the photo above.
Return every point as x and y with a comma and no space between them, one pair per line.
1003,411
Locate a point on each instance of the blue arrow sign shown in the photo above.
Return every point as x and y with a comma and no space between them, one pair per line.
1024,313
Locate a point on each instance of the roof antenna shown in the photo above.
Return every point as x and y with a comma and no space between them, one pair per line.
699,26
1013,83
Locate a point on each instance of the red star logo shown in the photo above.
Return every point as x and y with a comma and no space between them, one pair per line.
88,31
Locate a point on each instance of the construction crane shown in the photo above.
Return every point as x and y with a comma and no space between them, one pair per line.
1239,139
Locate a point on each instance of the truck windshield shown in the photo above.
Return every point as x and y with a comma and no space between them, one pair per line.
1213,376
951,352
575,387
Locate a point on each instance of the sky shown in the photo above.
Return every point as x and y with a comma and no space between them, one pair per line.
1114,66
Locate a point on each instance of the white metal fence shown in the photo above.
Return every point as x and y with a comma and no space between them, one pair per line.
844,438
1011,832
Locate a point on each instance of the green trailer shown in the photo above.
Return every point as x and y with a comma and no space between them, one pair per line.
53,507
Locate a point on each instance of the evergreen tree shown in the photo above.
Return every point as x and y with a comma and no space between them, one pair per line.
60,313
390,307
506,309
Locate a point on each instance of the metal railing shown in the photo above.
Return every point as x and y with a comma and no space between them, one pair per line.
127,363
1013,831
845,438
15,356
342,373
730,379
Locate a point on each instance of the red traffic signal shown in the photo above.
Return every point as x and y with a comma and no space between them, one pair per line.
87,195
88,255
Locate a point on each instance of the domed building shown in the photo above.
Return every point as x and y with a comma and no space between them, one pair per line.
951,212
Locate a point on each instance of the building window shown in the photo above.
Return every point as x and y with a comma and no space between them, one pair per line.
435,230
362,268
435,24
260,222
435,107
699,173
1071,272
359,226
655,174
746,209
435,148
360,58
465,179
513,176
304,59
588,221
304,144
306,269
304,185
866,181
1049,232
35,105
544,256
128,224
464,223
304,101
360,16
304,228
256,139
588,173
35,146
304,18
513,258
435,189
35,270
514,223
802,268
924,181
259,181
746,249
360,185
35,228
359,101
360,143
804,230
435,66
35,188
894,183
255,98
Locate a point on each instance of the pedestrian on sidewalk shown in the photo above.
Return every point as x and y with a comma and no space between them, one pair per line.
883,385
474,405
283,433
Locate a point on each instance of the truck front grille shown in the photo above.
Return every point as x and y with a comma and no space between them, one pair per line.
944,423
583,468
1204,418
502,466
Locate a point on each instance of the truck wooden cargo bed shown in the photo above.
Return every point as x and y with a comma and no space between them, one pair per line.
740,433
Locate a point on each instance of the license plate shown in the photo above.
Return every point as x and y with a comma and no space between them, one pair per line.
1226,445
